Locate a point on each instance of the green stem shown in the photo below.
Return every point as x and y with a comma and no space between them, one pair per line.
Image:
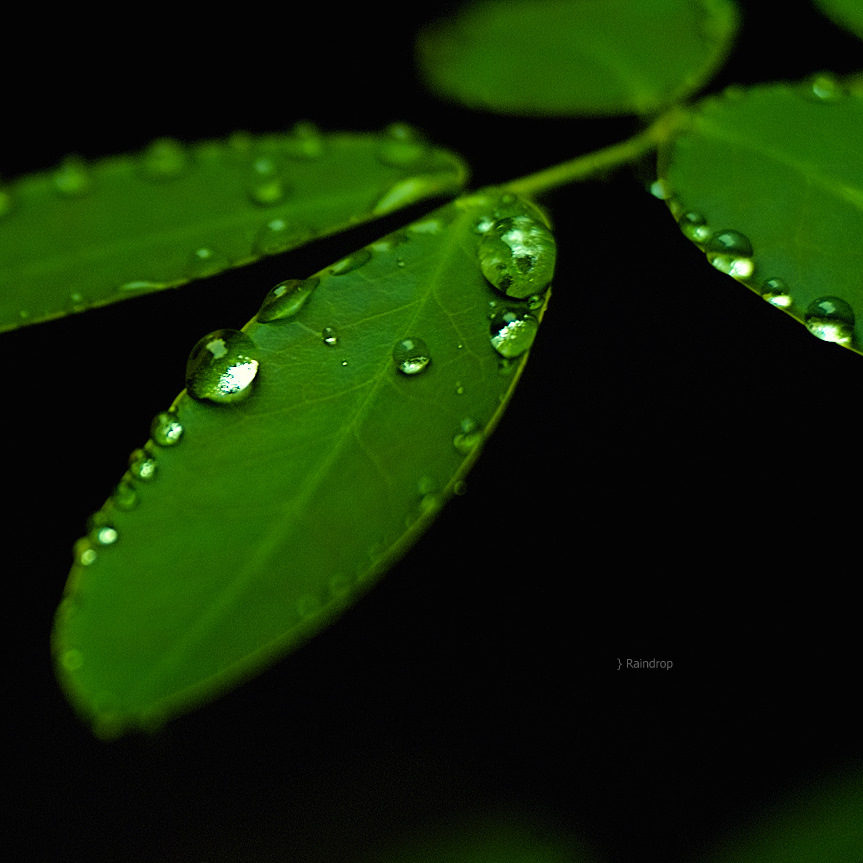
590,165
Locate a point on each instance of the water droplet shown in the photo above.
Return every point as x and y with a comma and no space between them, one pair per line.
468,436
141,285
459,388
286,299
143,465
411,356
694,227
77,301
166,429
72,659
125,495
306,142
330,336
824,87
731,253
402,146
776,292
206,262
164,159
406,191
351,262
72,177
517,256
433,225
101,532
222,367
659,188
84,553
512,332
279,235
267,186
830,319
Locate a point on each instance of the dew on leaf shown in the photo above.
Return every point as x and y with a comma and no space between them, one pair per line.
352,262
166,429
694,227
222,367
143,465
164,159
125,495
329,336
730,252
830,319
411,356
402,146
776,292
279,235
286,299
517,255
306,142
512,332
206,261
71,177
468,436
824,87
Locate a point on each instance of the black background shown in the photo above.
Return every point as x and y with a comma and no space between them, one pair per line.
677,478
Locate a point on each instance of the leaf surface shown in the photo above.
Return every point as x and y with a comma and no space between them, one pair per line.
781,166
576,57
227,546
846,13
85,235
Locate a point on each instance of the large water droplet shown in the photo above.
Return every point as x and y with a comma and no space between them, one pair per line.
830,319
166,429
286,299
731,253
776,292
411,356
222,367
512,332
517,256
351,262
164,159
72,177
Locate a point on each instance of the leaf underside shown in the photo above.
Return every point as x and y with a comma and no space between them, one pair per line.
272,515
85,235
576,57
782,165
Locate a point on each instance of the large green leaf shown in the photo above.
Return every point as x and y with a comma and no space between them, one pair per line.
576,57
319,444
85,235
769,182
846,13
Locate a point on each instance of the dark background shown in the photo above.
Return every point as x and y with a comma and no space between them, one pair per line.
677,478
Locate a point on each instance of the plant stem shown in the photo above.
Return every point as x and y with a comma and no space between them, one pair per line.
589,165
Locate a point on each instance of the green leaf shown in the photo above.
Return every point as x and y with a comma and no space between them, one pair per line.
85,235
576,57
320,442
769,183
846,13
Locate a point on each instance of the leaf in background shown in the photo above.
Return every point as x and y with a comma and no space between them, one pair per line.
307,453
576,57
85,235
846,13
769,183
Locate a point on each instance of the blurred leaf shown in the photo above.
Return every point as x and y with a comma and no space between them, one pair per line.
85,235
322,441
769,183
846,13
576,57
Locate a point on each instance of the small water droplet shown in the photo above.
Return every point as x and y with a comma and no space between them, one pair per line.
432,225
286,299
459,388
406,191
72,177
77,301
517,256
143,465
125,495
279,235
824,87
306,142
164,159
142,286
659,188
101,532
222,367
776,292
329,336
694,227
206,261
72,659
84,552
411,356
730,252
512,332
402,146
267,186
166,429
352,262
468,436
830,319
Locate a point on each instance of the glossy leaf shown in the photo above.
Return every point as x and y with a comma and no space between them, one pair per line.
769,183
320,443
85,235
846,13
576,57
